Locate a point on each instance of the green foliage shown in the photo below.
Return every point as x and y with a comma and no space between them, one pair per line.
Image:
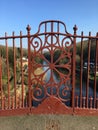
3,51
26,80
47,55
11,57
85,49
77,60
38,59
56,55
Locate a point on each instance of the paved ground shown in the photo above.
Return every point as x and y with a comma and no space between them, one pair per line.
49,122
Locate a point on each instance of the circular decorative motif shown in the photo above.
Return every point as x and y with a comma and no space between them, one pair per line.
50,66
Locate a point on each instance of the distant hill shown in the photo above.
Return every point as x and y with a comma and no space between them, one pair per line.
57,53
85,50
10,50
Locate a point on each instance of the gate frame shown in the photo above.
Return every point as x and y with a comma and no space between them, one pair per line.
41,108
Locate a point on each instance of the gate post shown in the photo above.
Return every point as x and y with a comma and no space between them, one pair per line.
29,70
74,68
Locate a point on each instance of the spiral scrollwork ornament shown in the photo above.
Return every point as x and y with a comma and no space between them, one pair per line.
51,58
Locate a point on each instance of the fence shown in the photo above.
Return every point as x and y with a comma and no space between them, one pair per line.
51,71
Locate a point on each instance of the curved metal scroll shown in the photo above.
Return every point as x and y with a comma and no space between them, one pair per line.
50,62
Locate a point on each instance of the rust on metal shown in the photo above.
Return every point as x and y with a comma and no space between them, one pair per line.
57,73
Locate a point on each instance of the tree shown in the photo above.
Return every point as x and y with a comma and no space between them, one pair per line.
11,57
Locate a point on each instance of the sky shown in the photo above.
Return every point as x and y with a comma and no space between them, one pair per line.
15,15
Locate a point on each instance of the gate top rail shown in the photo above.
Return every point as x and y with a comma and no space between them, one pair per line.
49,26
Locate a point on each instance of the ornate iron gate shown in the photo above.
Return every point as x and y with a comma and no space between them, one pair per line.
52,68
57,72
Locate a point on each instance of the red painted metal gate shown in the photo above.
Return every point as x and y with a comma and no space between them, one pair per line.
52,68
51,71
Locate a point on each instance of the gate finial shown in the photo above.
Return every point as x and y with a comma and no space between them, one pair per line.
28,28
75,28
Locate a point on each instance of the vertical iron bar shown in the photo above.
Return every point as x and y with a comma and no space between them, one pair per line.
96,61
14,53
77,98
1,81
58,30
29,66
88,71
51,26
52,42
81,69
84,98
45,33
91,102
51,89
22,75
8,75
74,68
45,27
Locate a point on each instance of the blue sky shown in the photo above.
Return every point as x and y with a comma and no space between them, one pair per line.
16,14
